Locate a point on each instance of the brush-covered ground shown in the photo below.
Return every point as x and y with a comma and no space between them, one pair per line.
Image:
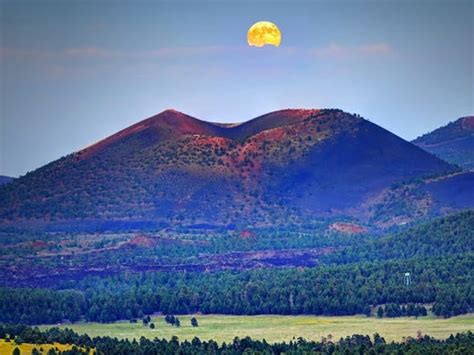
277,328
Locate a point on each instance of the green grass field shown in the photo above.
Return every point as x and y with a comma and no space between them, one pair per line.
277,328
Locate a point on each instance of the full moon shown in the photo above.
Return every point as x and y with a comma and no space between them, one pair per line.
263,33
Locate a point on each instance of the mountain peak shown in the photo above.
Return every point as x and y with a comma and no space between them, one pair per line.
453,142
164,125
171,110
454,130
467,122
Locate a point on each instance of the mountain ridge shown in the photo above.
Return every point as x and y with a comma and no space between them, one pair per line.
285,167
453,142
174,122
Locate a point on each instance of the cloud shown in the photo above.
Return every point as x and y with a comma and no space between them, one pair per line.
189,51
376,48
164,52
87,61
345,52
88,52
332,51
96,52
21,53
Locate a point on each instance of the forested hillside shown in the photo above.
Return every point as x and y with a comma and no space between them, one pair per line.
336,290
449,235
330,290
438,255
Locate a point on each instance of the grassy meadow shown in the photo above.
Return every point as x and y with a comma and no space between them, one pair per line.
27,348
275,328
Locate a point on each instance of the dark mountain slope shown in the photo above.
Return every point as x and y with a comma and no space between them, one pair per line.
453,192
350,168
286,167
453,142
5,179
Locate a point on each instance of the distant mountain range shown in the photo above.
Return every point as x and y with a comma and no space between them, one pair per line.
453,142
289,167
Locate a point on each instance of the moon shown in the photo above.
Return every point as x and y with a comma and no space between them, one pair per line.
263,33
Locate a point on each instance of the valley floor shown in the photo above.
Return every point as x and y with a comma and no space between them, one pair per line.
275,328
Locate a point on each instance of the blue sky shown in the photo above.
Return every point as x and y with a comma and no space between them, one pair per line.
73,72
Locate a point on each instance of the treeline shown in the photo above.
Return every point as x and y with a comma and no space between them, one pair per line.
356,344
36,306
326,290
395,310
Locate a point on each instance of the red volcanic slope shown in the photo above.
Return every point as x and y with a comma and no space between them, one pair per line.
167,124
269,121
142,240
468,123
350,228
171,123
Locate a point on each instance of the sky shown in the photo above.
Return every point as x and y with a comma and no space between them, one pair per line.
74,72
